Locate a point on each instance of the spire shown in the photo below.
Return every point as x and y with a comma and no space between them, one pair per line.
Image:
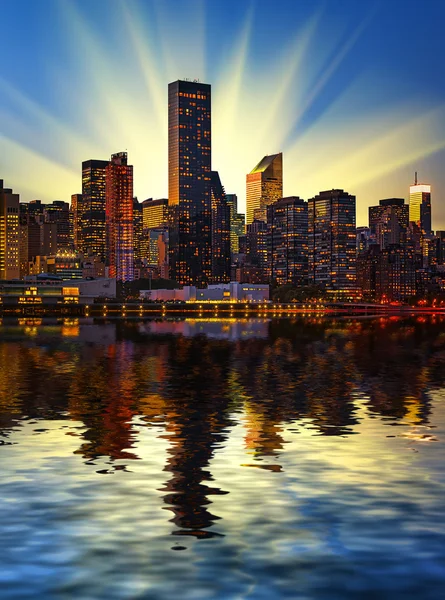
415,178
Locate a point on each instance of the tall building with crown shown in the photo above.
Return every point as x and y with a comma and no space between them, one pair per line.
264,185
420,206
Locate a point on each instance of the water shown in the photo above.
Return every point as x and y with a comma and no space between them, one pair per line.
234,459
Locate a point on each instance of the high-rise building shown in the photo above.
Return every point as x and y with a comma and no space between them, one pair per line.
59,213
138,240
256,259
420,206
397,206
75,208
92,211
119,217
237,223
220,231
155,213
332,241
189,167
9,234
287,221
264,185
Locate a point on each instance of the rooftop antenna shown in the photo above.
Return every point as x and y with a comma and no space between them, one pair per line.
415,178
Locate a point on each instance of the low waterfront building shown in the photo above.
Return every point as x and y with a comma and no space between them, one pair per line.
222,292
46,289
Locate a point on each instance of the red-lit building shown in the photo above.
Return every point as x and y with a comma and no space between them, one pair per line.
119,217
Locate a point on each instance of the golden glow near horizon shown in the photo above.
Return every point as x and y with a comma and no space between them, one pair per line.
254,113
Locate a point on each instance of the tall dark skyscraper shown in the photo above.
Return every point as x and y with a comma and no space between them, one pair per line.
91,211
220,231
189,174
332,241
119,217
287,241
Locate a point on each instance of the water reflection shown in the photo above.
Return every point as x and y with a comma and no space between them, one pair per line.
280,380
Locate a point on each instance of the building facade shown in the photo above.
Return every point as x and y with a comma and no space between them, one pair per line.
420,206
264,185
220,231
119,217
332,241
189,173
9,234
237,223
91,238
287,241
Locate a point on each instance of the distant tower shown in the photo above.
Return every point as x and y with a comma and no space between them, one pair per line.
420,205
119,217
189,196
264,185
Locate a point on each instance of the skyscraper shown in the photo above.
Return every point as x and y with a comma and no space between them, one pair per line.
189,167
9,234
59,213
264,185
332,241
220,231
92,210
75,208
420,206
237,223
119,217
388,221
287,241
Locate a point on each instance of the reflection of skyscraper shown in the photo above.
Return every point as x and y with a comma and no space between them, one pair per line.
119,217
332,241
92,209
264,185
9,234
189,166
420,206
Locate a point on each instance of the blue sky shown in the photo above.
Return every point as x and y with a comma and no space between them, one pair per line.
351,91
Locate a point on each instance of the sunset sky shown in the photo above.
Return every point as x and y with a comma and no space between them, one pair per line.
351,92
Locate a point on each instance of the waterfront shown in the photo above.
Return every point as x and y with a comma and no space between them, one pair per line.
248,458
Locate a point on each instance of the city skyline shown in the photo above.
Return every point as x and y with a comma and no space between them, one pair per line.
356,123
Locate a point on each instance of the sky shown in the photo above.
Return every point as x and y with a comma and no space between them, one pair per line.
352,93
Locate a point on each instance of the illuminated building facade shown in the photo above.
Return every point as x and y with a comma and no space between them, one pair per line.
255,268
237,223
155,213
287,221
59,213
139,248
420,206
332,241
9,234
76,205
189,167
264,185
220,231
91,239
119,217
